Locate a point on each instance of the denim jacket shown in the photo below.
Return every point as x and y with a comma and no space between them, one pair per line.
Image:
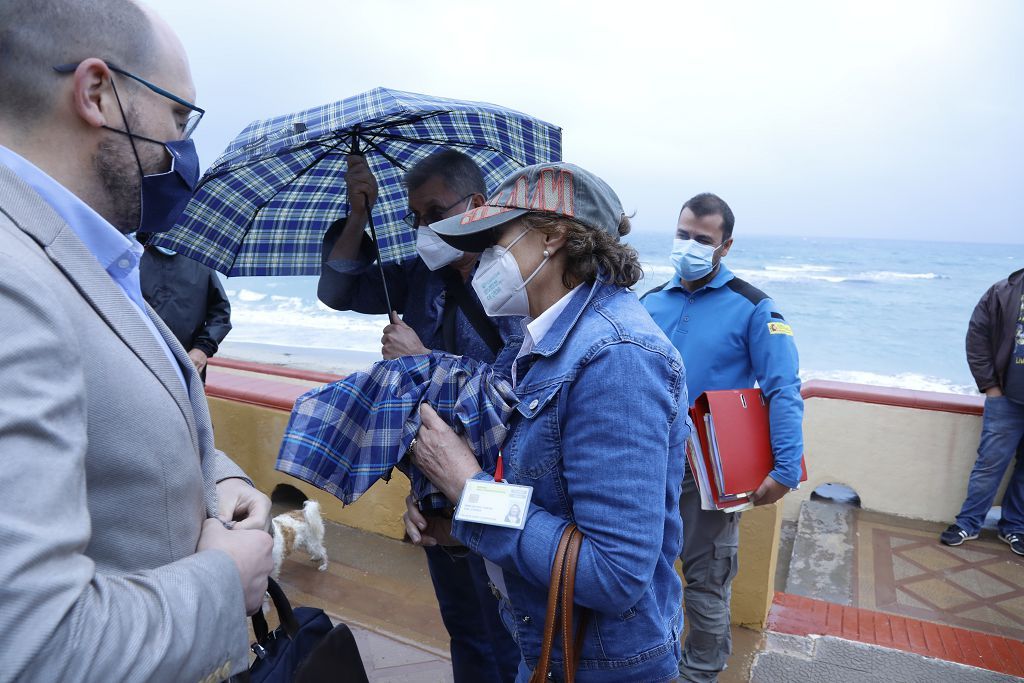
599,435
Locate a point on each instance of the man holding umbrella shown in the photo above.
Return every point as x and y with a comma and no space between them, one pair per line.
439,311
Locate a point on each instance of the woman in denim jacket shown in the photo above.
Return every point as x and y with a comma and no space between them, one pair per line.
598,432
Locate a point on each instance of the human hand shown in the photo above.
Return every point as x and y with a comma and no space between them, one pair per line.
199,359
241,503
362,186
768,492
252,552
993,392
400,340
426,531
442,455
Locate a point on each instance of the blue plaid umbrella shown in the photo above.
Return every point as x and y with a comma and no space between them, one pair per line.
264,205
343,437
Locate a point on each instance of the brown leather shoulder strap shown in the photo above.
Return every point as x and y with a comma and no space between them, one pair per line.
570,657
554,588
559,616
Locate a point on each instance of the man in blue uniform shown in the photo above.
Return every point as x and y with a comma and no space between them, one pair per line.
730,335
440,311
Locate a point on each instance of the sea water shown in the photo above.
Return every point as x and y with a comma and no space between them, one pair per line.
884,312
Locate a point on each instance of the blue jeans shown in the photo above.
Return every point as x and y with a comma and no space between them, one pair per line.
1002,436
482,649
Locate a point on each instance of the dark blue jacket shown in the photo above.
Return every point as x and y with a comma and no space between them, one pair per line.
188,297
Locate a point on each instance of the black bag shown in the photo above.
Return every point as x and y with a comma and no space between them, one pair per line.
304,648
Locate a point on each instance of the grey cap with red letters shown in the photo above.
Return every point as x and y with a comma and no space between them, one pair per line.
557,188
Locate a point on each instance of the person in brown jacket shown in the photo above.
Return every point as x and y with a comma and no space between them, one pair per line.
995,353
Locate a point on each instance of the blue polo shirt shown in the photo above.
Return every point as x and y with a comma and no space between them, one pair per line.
731,336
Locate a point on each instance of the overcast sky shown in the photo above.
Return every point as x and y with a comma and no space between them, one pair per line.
892,119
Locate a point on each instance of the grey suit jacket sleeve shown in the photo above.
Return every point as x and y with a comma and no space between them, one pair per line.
225,468
62,616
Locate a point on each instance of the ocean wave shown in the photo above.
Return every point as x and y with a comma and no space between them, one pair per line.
300,322
656,273
827,274
883,275
803,268
795,274
289,317
903,380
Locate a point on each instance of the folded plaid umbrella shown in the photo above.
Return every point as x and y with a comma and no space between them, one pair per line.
264,205
344,436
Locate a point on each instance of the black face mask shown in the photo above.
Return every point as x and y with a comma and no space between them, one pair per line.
163,195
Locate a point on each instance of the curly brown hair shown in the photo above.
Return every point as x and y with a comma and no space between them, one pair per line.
591,252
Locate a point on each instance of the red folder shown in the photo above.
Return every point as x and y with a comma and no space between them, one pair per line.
741,430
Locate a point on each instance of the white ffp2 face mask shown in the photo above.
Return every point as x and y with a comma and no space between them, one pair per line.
434,251
498,283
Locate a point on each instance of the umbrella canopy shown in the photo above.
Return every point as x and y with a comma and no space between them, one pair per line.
264,205
343,437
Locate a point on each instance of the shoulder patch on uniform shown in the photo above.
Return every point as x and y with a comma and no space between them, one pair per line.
660,287
778,316
746,290
780,328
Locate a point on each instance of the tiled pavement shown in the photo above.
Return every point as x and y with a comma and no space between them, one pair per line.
932,642
381,588
391,660
901,568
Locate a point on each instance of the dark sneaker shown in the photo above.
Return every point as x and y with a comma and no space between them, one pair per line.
954,535
1015,541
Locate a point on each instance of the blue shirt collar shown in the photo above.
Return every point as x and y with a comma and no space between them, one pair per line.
720,278
117,253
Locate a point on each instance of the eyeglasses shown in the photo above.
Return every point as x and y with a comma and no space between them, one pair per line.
195,113
414,220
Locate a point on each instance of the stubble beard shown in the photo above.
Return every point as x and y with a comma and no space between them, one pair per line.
119,177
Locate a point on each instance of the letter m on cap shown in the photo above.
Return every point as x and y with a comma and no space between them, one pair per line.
554,192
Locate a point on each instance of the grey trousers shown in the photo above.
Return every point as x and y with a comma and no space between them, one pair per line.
710,542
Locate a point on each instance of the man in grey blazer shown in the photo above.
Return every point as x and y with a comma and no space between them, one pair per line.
130,548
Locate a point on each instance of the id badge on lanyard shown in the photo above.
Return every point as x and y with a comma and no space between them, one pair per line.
497,502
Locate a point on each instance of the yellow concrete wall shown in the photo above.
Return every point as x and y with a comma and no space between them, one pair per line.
251,435
754,585
900,461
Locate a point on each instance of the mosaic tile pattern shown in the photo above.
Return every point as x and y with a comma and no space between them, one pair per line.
903,569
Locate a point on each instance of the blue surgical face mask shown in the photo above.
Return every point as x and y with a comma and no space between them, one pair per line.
692,260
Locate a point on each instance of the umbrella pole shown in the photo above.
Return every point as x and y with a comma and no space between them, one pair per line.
380,261
354,149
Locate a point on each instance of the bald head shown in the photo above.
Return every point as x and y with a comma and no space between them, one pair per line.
36,35
95,130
